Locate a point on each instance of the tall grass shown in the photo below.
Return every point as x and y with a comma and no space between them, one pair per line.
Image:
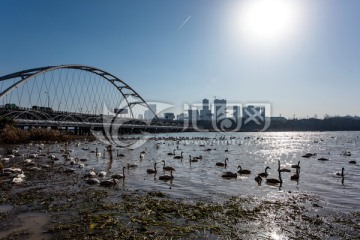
12,135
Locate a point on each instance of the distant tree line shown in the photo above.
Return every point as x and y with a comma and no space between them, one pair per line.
313,124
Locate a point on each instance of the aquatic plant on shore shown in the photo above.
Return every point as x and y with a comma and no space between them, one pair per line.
13,135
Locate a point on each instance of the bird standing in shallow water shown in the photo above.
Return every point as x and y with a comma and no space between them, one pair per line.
296,176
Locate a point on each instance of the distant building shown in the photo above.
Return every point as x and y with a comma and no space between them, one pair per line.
181,117
205,113
193,115
220,109
169,116
148,114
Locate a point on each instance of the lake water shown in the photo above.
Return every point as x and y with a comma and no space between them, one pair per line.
253,151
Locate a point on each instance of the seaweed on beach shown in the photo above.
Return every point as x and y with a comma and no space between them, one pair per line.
81,211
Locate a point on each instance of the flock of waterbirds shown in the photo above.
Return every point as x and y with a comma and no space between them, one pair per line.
69,164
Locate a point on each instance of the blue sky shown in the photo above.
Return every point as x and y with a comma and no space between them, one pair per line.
151,46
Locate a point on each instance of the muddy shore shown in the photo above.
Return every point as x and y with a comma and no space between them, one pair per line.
54,204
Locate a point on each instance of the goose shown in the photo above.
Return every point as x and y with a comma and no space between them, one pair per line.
352,162
143,152
323,159
167,177
264,174
92,181
221,164
229,175
285,169
167,168
102,174
118,176
131,165
151,171
227,150
179,157
296,176
119,154
192,160
340,173
171,153
308,155
108,183
258,179
274,180
243,171
296,165
142,156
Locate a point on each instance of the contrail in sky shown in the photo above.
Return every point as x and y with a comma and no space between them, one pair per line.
183,24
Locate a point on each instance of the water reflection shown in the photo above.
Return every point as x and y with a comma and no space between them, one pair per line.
253,151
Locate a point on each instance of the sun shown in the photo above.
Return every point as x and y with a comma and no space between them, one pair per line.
268,21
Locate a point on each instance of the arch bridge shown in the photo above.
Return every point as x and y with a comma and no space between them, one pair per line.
72,96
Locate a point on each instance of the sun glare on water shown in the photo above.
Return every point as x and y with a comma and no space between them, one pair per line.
264,22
